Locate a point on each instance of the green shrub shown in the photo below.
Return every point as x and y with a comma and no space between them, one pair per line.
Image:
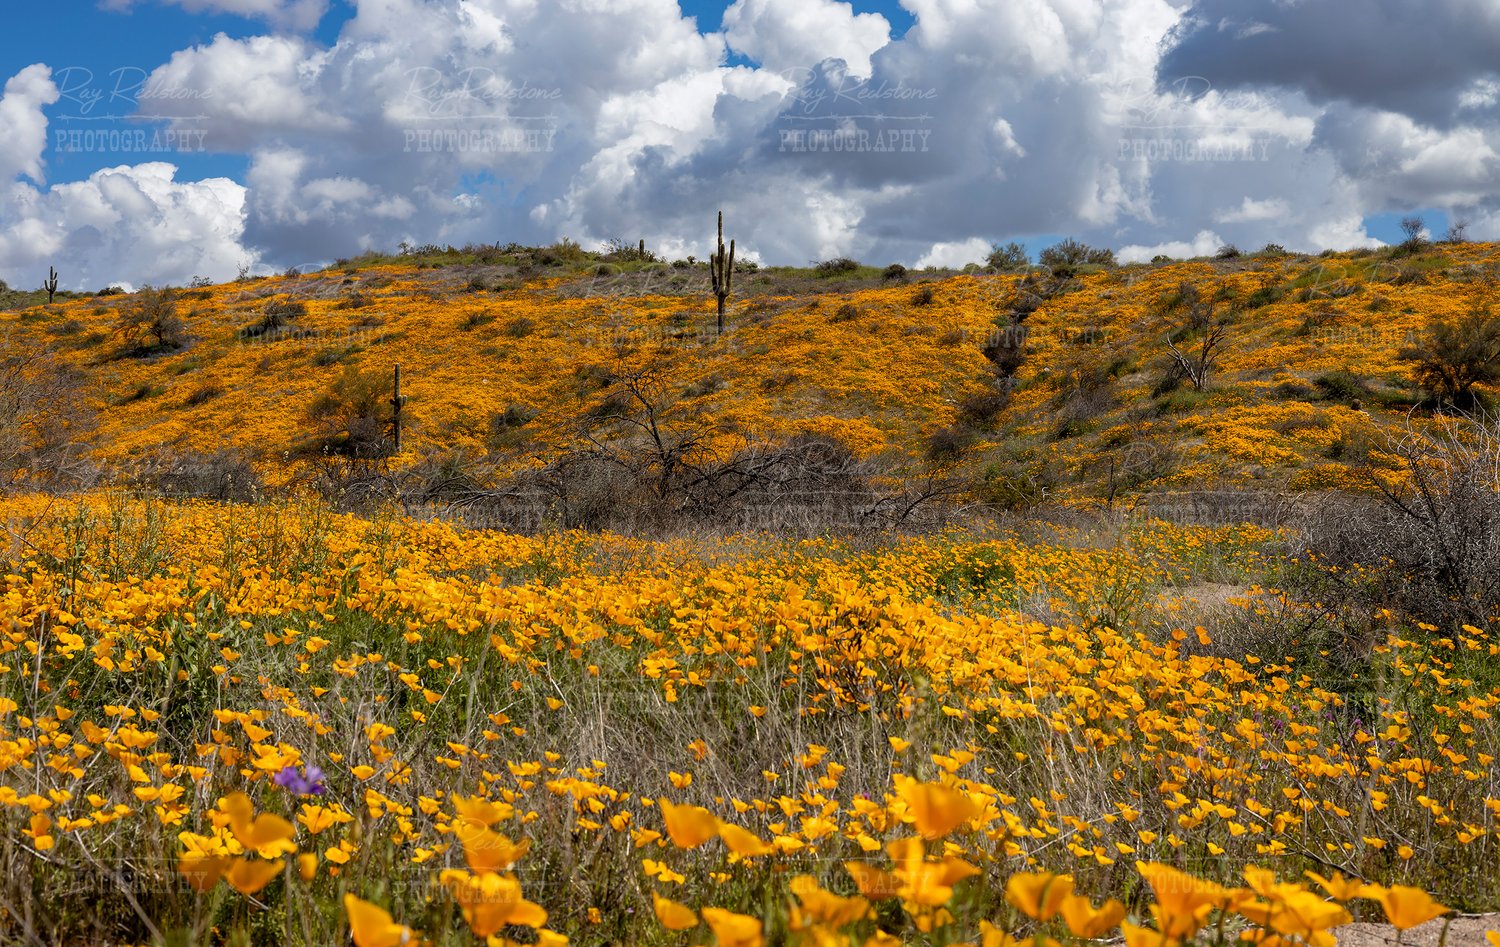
1455,354
838,266
1011,256
1064,258
1343,386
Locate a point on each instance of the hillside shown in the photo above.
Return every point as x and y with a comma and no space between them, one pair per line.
512,359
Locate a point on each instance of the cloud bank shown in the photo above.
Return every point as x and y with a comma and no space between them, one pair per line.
1147,125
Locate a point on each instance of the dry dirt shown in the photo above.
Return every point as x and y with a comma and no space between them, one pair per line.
1466,931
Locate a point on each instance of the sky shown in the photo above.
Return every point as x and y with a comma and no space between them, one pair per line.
154,141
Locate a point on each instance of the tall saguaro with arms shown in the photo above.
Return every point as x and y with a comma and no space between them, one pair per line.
722,268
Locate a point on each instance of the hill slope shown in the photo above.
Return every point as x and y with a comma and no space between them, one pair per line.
1027,384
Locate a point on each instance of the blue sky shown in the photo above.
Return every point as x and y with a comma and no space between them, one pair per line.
1023,108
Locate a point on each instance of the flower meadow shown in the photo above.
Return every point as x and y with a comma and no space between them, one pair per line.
274,723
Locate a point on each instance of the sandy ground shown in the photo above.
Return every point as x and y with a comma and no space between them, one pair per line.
1462,932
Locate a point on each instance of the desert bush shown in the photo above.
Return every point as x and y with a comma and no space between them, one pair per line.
1295,389
352,417
150,325
1413,229
1142,459
838,266
1064,258
140,391
923,296
1195,334
618,251
448,477
1086,394
65,328
562,252
1011,256
334,354
1015,483
1264,296
1344,386
1227,252
355,300
476,319
46,417
651,461
223,475
203,394
276,316
1455,354
504,429
520,327
893,272
1426,543
983,407
949,443
707,385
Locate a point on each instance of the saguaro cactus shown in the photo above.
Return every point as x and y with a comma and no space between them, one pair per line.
51,284
722,268
398,401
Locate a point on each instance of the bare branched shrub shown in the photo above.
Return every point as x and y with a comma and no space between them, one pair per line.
276,317
221,475
45,418
648,459
1195,336
1426,545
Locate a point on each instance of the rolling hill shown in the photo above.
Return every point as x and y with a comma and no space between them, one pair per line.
1025,385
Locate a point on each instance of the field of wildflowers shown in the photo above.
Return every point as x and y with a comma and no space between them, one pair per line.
274,723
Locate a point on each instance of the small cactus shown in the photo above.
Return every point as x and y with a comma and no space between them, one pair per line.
51,284
722,269
398,401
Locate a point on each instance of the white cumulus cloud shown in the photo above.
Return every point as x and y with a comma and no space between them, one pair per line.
24,123
791,35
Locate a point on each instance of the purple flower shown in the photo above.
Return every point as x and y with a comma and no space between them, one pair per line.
308,784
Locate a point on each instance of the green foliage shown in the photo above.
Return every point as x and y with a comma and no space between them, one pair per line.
1064,258
836,267
1456,354
354,414
1011,256
1343,386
